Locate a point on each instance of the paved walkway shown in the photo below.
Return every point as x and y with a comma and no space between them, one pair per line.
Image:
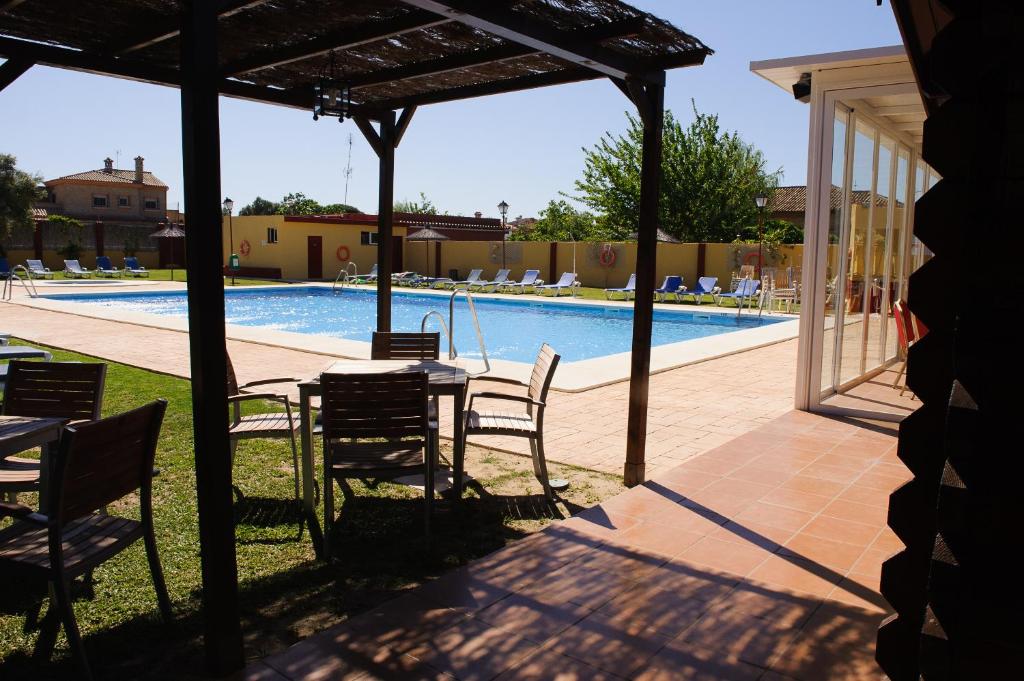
758,560
692,409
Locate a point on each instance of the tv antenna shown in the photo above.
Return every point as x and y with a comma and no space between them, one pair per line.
348,167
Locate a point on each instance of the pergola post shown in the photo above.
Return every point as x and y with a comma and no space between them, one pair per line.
11,70
200,142
649,98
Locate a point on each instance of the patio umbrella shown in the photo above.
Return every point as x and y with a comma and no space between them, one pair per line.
171,231
426,235
663,236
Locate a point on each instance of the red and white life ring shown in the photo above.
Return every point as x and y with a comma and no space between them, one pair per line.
342,253
245,247
749,258
607,256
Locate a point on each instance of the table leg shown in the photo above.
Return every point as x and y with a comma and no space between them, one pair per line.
309,471
460,443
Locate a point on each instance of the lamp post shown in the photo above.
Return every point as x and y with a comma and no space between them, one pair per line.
503,207
229,207
761,200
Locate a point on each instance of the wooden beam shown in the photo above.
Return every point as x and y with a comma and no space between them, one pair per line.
11,70
226,8
200,143
481,57
403,123
650,100
520,29
60,57
343,39
901,110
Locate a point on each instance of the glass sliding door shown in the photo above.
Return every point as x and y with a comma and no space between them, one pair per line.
837,219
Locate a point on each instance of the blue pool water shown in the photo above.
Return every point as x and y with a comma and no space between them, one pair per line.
513,328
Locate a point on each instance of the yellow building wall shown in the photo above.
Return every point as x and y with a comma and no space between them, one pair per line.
290,253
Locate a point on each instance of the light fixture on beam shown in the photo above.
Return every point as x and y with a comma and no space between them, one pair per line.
332,96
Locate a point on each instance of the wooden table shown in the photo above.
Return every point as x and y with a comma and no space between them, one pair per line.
18,433
444,379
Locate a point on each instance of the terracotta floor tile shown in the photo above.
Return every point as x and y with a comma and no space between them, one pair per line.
769,602
870,562
846,531
460,589
833,645
754,534
612,648
737,489
734,634
622,558
548,665
738,559
811,485
259,672
533,620
801,501
473,650
659,539
860,513
696,582
880,481
646,606
833,554
832,473
397,625
579,585
860,591
797,574
680,660
776,516
762,475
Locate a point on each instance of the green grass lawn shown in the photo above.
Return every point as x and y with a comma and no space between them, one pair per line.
181,275
286,594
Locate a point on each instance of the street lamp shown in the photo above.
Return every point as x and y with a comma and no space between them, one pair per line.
503,207
229,207
761,200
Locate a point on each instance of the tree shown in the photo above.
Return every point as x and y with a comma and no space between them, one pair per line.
561,222
298,204
338,209
424,206
708,184
18,190
260,206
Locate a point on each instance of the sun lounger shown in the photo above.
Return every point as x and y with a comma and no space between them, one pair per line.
500,278
706,286
567,280
36,269
432,282
745,291
369,277
530,278
74,270
106,268
5,269
131,266
405,278
628,290
672,286
474,277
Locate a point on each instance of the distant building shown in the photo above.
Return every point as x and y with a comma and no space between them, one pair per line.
109,195
790,203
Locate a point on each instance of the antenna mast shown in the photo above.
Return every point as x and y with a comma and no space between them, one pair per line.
348,167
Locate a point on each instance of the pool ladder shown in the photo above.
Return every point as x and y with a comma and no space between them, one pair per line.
346,274
449,327
26,283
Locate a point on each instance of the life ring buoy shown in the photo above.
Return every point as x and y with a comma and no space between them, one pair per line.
749,258
244,247
607,256
342,253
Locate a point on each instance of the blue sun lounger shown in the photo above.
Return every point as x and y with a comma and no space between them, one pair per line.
745,292
671,286
131,266
706,286
106,268
628,290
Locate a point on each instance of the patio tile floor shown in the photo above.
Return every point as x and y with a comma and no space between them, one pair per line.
697,574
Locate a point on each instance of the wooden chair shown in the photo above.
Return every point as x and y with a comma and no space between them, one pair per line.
96,464
67,390
528,424
392,345
375,426
270,426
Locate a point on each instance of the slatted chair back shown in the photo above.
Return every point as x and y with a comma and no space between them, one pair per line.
69,390
102,461
365,406
390,345
543,373
232,379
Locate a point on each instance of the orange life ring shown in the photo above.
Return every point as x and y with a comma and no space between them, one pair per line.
244,247
750,257
607,257
342,253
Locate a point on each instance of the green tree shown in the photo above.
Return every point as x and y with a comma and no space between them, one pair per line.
260,206
424,206
72,230
338,209
298,204
18,190
560,221
708,184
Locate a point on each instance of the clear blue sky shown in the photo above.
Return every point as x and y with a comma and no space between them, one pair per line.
523,148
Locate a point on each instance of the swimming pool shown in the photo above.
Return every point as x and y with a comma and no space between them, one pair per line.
513,328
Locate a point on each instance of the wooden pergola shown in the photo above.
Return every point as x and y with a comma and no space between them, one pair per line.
395,55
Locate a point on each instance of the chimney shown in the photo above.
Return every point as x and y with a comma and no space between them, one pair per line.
478,215
108,165
138,169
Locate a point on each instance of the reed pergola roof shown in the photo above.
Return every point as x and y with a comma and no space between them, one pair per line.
394,53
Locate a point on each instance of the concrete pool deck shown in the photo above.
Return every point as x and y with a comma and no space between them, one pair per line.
571,377
693,409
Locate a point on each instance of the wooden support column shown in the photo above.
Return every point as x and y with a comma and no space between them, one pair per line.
11,70
200,141
649,98
384,142
98,233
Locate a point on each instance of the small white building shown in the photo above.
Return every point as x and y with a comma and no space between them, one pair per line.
866,124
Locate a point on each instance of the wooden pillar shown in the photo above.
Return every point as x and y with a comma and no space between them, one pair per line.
437,260
702,259
649,98
553,263
97,232
200,141
37,239
385,208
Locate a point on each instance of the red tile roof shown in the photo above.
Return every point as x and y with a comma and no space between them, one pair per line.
115,176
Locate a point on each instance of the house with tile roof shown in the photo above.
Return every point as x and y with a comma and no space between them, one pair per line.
108,194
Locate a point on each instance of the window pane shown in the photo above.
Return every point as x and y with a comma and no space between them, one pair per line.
832,263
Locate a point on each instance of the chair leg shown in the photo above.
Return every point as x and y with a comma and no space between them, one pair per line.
899,375
62,602
328,513
540,465
295,466
155,569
